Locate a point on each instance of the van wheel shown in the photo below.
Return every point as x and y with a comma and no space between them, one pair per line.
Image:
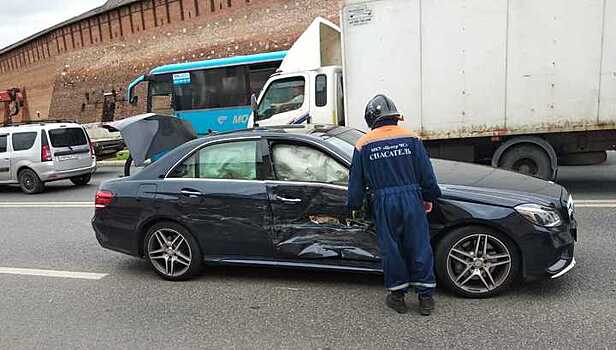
81,180
29,182
528,160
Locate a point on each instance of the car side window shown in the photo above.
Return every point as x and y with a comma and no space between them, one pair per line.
294,162
3,147
23,140
232,160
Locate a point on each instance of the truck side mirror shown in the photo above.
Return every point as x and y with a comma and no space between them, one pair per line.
134,100
254,105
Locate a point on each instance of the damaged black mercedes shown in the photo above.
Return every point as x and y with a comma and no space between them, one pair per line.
277,197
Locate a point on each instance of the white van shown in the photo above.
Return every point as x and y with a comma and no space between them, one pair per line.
38,152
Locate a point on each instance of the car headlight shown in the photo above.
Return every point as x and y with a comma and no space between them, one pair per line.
540,215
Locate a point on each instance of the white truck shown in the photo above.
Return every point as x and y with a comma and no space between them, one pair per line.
520,84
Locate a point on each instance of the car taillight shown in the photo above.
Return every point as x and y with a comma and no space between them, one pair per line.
103,198
92,149
45,153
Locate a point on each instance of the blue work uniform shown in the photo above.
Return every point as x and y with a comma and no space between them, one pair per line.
393,164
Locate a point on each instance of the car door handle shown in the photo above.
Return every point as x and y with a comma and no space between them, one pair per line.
191,193
291,200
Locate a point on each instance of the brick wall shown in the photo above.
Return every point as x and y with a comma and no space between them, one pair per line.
68,70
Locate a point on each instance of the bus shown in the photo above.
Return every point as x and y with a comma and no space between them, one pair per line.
214,95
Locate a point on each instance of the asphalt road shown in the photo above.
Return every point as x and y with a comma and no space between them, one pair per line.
249,308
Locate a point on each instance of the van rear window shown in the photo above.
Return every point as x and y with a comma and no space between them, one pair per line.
67,137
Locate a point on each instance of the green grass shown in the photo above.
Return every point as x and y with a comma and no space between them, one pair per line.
122,155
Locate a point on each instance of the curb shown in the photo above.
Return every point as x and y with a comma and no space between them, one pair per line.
110,163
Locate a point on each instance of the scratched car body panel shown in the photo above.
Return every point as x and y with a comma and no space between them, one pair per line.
283,203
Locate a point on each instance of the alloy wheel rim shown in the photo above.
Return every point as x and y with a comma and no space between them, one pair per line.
169,252
479,263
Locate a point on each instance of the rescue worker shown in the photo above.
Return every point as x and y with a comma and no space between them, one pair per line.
393,165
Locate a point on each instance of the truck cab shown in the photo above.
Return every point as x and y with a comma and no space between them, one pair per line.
314,96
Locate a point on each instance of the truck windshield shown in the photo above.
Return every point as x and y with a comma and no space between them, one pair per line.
281,96
67,137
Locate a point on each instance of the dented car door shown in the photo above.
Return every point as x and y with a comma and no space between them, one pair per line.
308,196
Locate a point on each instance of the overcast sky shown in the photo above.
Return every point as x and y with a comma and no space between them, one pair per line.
22,18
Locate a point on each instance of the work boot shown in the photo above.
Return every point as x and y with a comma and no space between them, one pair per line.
426,305
395,300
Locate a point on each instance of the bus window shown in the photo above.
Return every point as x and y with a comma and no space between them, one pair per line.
215,88
258,77
160,95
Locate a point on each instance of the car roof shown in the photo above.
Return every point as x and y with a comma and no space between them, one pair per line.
288,132
36,126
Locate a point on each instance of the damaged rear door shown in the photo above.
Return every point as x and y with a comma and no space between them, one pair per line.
308,196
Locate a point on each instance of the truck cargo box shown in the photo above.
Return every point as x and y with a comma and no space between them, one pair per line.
461,69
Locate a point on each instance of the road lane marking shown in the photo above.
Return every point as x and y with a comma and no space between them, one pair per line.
597,205
52,273
587,201
46,204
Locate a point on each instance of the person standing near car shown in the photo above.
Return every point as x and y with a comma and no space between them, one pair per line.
391,164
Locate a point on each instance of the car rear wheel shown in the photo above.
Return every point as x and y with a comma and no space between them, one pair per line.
476,262
29,182
81,180
172,251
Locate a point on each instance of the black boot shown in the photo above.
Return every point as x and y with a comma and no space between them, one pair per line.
426,305
395,300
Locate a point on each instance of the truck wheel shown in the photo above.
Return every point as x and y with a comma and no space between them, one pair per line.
583,158
127,165
529,160
29,182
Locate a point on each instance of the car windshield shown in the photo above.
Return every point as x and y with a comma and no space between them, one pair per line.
67,137
345,141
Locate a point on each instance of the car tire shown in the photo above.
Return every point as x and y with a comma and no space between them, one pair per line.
30,182
471,273
529,160
81,180
176,262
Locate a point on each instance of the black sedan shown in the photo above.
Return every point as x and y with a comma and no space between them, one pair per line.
277,197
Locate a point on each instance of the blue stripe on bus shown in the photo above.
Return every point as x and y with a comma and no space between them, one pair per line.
218,119
220,62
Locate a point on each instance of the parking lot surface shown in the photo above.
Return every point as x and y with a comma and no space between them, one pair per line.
92,298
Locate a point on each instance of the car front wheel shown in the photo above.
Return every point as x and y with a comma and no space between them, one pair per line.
172,251
476,262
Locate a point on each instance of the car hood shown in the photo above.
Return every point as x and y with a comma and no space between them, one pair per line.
478,183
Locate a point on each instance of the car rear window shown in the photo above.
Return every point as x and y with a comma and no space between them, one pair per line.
23,140
67,137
